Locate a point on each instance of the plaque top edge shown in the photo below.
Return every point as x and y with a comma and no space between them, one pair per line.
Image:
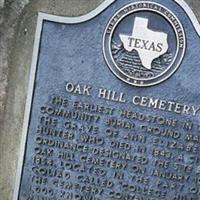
104,5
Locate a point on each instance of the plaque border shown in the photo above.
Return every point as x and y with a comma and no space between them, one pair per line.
66,20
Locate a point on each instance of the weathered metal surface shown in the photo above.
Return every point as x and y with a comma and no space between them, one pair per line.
93,136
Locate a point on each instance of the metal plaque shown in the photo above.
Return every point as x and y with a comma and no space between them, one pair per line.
113,109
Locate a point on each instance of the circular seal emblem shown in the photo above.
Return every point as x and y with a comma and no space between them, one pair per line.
144,43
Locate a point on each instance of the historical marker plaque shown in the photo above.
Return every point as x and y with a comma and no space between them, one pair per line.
113,110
